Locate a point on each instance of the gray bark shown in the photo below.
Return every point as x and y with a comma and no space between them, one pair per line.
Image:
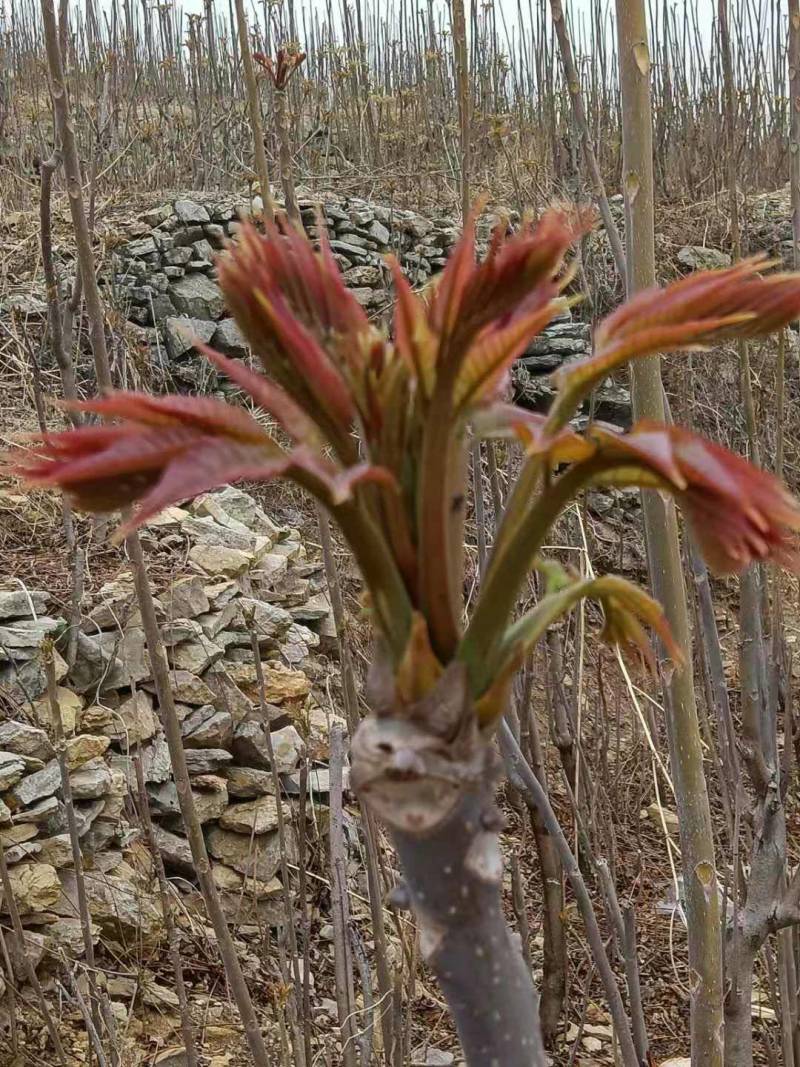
453,878
429,775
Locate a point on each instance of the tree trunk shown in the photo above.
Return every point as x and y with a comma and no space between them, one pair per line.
738,1009
572,78
459,29
285,157
661,528
794,135
436,794
72,172
453,878
254,112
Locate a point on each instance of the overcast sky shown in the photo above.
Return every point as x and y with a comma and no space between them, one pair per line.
509,8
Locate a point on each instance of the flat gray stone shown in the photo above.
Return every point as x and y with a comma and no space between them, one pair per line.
697,257
185,598
163,798
96,666
56,850
195,656
161,308
86,812
350,251
215,234
42,811
206,760
247,783
177,630
189,212
197,296
37,786
16,603
178,333
175,851
206,727
24,851
187,688
144,246
114,601
230,340
379,233
21,638
12,769
268,620
134,721
255,857
93,780
241,507
24,740
211,801
132,651
202,251
253,816
177,257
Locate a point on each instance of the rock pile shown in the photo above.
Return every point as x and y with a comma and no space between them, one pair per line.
165,276
244,576
564,340
165,280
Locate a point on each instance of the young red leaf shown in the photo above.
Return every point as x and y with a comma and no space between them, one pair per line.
281,69
414,337
739,513
531,430
267,395
172,448
694,311
486,365
470,295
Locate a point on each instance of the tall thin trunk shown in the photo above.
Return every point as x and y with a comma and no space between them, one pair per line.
173,937
254,112
759,726
572,79
462,93
661,528
194,831
535,796
285,156
55,324
453,881
794,130
340,905
72,172
554,963
60,746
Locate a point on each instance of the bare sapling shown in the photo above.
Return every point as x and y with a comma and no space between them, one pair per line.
194,831
664,558
572,78
279,71
379,432
254,111
167,911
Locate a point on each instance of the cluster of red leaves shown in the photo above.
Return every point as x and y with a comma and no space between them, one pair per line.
280,69
376,428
